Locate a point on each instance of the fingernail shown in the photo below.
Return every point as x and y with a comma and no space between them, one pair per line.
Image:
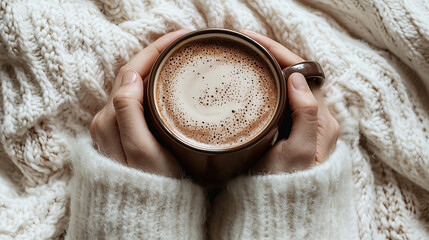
183,30
128,77
298,81
246,31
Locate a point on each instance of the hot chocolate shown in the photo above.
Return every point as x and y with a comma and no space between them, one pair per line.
216,93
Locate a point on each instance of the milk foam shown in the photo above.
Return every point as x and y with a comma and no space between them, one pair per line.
216,93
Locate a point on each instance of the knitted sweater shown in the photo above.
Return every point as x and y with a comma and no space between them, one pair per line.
58,61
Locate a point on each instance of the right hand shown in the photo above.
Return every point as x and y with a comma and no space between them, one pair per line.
120,131
314,130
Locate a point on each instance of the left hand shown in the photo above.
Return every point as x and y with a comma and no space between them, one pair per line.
120,131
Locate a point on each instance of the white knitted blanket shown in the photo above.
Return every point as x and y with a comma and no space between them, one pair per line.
58,60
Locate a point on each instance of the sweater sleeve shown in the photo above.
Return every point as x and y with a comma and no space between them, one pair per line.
112,201
313,204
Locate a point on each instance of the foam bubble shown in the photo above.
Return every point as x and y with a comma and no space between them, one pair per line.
216,93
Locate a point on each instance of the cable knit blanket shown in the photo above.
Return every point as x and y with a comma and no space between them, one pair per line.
58,60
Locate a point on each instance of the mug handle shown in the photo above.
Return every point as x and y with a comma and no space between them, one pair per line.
312,71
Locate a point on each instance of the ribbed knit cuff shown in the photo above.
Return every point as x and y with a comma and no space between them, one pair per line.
313,204
112,201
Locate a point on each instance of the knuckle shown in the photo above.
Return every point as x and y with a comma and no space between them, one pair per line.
125,68
310,112
101,125
311,103
121,100
271,46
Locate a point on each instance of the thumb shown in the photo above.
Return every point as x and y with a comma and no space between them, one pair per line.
304,106
127,101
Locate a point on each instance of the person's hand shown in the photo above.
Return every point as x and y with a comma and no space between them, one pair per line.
314,130
120,131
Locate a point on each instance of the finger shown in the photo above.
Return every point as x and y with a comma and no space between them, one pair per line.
328,128
143,61
304,107
135,136
284,56
328,132
105,136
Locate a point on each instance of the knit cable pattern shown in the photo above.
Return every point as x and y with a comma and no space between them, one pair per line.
58,61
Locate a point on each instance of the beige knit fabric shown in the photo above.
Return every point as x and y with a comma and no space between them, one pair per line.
312,204
58,60
113,201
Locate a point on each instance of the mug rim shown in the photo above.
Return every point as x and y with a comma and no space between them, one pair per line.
274,120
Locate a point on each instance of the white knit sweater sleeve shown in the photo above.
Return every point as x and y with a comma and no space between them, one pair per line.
312,204
112,201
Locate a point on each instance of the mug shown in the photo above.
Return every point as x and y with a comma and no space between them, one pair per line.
211,165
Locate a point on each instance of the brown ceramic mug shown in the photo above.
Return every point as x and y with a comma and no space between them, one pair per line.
187,106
